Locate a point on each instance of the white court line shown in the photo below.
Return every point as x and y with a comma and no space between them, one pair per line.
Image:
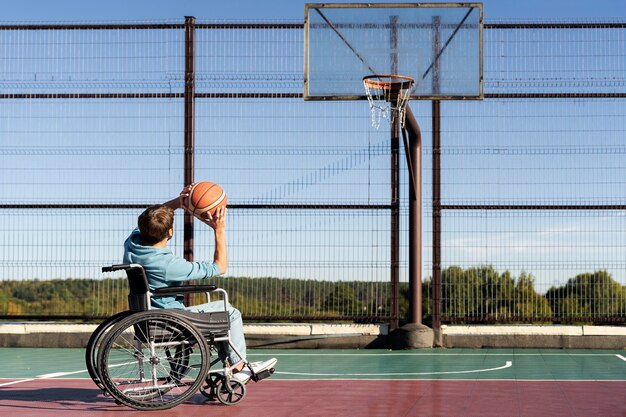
44,376
58,374
508,364
17,382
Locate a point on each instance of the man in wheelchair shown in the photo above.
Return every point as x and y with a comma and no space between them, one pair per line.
147,246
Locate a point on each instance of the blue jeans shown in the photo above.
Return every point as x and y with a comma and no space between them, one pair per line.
236,328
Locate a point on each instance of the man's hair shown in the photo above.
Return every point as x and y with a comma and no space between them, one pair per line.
155,222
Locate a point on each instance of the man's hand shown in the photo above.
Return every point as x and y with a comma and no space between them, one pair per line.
183,198
181,201
217,222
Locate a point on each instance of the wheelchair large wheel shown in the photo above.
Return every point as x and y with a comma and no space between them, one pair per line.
94,343
153,360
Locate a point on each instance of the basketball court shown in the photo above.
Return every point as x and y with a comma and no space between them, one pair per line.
387,55
459,382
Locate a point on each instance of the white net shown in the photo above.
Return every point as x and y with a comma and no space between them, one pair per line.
387,96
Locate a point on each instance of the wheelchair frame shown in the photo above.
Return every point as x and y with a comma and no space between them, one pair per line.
153,359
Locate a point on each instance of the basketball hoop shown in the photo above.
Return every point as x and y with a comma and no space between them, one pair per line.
388,96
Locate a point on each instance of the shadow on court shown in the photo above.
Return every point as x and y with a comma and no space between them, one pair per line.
38,398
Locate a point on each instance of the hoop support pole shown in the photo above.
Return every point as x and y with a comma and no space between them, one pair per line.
414,162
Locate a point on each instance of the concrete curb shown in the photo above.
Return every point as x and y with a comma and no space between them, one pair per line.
531,329
535,336
310,336
349,336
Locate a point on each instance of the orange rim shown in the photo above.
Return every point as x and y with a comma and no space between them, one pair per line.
394,82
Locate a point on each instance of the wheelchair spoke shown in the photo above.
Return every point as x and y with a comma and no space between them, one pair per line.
153,360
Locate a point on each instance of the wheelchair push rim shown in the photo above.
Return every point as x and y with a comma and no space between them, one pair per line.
153,360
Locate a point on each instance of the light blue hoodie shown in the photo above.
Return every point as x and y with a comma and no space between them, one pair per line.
164,269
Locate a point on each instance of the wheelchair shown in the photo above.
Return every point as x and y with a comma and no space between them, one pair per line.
155,359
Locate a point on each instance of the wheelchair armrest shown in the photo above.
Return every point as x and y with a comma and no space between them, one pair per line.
119,267
184,289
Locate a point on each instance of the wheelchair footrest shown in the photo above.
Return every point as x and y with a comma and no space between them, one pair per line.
266,373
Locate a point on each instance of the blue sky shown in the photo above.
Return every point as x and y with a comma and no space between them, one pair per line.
89,10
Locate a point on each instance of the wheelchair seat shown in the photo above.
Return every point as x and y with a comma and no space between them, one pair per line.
211,324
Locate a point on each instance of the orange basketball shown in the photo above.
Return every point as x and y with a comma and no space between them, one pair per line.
206,197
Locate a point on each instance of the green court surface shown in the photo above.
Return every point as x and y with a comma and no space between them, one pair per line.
426,364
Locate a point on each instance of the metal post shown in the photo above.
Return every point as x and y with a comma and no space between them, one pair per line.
414,159
436,124
395,225
395,191
189,98
436,160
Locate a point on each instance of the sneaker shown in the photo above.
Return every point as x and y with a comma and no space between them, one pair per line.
245,375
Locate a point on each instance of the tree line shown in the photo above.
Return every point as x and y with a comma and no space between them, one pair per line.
468,295
481,293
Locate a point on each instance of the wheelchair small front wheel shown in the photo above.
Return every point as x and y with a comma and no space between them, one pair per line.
231,392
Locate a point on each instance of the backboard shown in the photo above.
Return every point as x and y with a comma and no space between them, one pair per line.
439,45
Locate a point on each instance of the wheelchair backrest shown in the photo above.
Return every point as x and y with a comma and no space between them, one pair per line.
138,296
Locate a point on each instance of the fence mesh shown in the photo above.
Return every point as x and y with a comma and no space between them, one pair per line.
532,177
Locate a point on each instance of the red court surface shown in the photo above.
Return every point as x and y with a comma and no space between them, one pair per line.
276,398
455,382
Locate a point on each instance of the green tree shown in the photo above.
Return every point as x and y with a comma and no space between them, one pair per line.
461,293
529,304
342,299
594,295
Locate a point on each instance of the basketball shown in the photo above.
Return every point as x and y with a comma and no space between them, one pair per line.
206,197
